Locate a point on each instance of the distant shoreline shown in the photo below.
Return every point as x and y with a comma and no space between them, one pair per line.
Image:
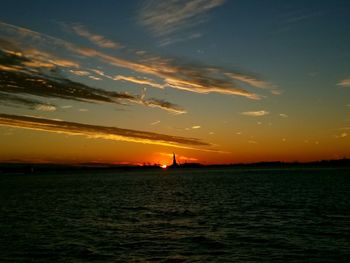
32,168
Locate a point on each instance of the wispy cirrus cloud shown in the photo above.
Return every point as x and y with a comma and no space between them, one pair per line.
165,105
252,81
283,115
103,132
147,82
255,113
80,72
20,77
41,58
169,72
166,18
341,135
154,123
96,39
45,107
8,99
294,18
344,83
181,76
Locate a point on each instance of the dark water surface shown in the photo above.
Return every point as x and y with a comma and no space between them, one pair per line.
226,215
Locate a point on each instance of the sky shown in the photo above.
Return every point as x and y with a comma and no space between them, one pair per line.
215,81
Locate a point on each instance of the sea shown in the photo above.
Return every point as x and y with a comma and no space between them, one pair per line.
183,215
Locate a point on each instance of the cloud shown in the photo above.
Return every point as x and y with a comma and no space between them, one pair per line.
173,40
46,86
45,107
94,78
253,81
189,77
66,106
196,127
294,18
201,83
95,131
341,135
20,80
164,18
155,122
255,113
165,105
344,83
80,73
40,59
15,100
282,115
173,73
94,38
139,81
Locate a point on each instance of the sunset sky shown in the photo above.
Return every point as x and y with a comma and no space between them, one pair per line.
214,81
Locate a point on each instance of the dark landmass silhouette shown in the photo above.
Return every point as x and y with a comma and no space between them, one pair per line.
33,168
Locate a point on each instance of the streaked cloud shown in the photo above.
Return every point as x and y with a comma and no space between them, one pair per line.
173,40
253,81
155,122
95,131
201,83
283,115
296,18
45,107
38,58
21,80
255,113
94,78
66,106
173,73
341,135
196,127
147,82
344,83
167,18
7,99
79,72
165,105
96,39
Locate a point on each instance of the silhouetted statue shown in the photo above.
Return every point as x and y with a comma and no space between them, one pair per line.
174,162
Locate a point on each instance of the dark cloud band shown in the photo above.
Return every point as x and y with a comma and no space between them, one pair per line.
95,131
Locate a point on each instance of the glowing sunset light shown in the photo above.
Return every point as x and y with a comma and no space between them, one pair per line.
138,83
